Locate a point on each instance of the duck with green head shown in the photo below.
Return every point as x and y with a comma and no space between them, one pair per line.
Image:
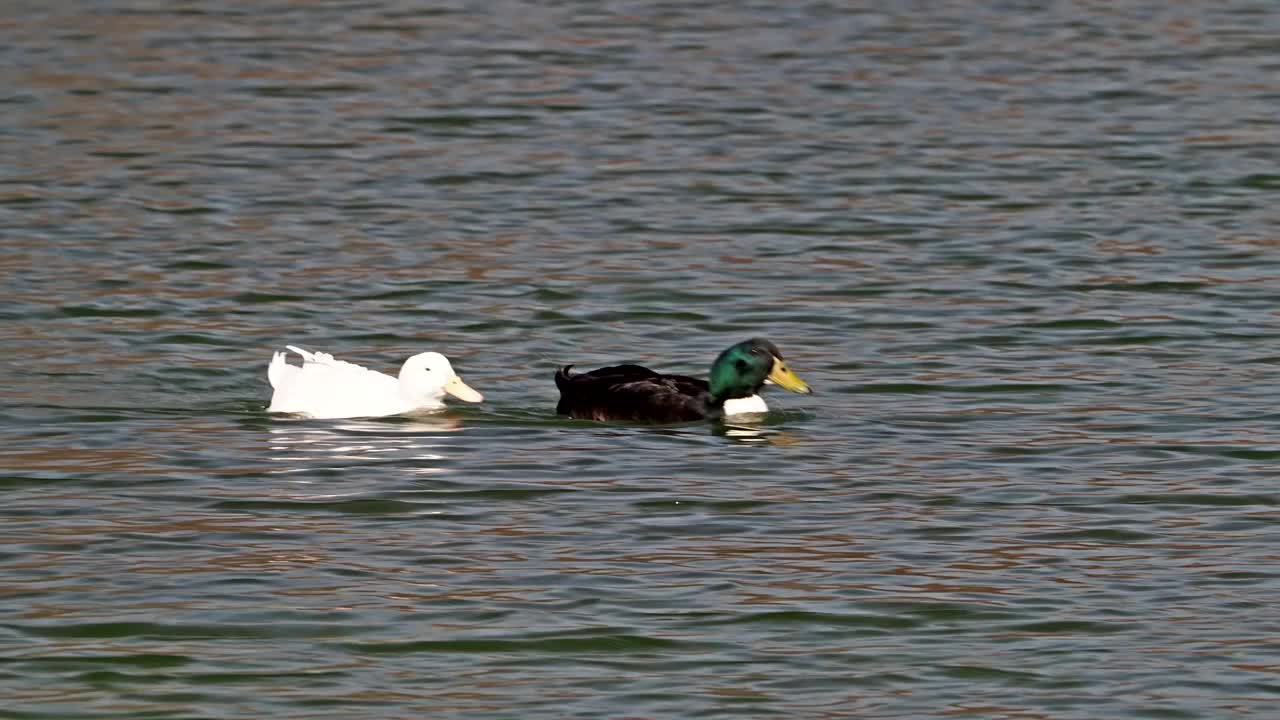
638,394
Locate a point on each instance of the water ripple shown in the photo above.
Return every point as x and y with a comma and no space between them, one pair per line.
1023,255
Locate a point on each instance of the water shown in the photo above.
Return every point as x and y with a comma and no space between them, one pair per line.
1026,257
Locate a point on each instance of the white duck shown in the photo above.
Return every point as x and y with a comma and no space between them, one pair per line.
325,388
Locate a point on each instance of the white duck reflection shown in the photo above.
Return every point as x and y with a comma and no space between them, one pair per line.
418,444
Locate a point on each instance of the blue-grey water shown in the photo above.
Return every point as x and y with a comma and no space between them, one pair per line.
1028,255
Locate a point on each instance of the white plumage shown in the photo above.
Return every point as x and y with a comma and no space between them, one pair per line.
745,406
327,388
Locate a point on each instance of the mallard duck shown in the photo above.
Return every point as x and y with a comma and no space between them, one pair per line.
326,388
632,392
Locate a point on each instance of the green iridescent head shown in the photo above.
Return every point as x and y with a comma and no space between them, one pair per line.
742,370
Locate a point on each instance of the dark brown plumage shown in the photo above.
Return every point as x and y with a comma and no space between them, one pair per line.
632,392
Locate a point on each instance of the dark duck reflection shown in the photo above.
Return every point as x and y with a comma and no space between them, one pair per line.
638,394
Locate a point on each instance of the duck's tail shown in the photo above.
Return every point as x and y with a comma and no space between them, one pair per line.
279,370
322,358
563,377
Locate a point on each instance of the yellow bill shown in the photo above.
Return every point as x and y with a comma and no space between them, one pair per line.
461,390
782,376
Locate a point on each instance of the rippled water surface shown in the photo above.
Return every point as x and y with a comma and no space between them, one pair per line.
1026,253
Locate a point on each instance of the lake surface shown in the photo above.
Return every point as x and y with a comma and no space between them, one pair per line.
1028,258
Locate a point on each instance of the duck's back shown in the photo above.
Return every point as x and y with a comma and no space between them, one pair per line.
631,392
325,387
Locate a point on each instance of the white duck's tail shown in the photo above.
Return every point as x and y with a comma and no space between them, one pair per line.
321,358
279,371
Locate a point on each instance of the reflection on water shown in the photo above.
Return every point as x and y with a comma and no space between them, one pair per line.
745,433
417,444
